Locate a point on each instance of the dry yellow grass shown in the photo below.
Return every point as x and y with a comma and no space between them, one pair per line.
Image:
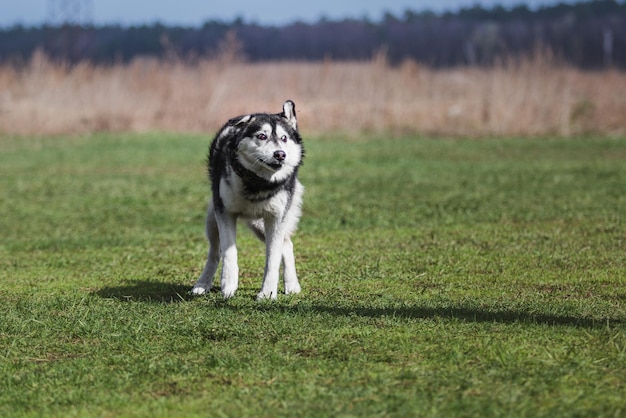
531,98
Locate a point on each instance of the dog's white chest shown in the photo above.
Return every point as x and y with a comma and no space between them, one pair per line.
234,200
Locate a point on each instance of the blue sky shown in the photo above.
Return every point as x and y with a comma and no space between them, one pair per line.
195,12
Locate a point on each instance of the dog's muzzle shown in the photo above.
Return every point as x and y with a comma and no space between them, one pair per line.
280,155
277,161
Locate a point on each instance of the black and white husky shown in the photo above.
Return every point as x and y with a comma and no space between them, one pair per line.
253,168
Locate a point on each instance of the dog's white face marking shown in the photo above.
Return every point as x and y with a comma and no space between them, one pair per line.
270,153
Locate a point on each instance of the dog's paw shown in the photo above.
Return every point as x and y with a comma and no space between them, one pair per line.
292,289
266,295
199,290
228,291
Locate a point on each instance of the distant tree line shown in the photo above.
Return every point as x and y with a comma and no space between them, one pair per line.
590,34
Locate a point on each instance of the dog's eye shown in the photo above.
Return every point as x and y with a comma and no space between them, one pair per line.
283,138
262,137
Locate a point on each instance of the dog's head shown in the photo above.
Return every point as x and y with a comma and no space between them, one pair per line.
269,144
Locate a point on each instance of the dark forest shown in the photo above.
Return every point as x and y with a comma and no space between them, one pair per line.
589,35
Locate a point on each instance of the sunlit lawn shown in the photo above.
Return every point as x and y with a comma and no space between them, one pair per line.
440,277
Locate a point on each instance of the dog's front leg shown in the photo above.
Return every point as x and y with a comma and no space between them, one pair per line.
227,226
290,277
274,238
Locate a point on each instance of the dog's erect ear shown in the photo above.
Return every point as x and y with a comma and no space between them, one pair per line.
241,120
289,113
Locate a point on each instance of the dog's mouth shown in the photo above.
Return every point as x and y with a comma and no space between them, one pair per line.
272,164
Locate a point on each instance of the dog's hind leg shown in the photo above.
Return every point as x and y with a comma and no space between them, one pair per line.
227,226
257,226
205,282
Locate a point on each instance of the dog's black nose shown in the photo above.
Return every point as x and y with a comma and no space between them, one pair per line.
280,155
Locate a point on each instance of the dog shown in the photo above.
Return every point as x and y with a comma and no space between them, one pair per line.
253,169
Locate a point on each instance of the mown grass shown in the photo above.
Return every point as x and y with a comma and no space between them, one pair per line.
440,278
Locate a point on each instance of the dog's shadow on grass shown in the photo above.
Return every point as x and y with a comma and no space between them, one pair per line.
471,315
163,293
147,291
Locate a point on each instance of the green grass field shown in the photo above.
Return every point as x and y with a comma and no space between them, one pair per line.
440,278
